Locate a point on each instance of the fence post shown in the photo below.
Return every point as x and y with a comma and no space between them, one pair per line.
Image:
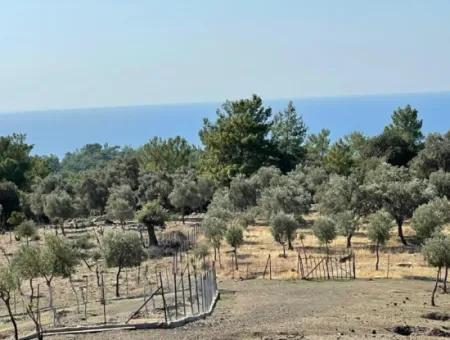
190,291
163,298
103,299
175,293
196,290
354,265
182,290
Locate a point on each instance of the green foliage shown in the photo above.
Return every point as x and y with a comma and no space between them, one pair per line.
27,262
122,249
58,206
214,230
283,228
288,136
155,186
16,218
93,192
399,193
265,177
288,196
339,159
317,147
380,224
26,229
434,156
437,250
242,193
167,155
119,208
441,182
430,217
324,229
9,200
153,214
238,141
15,159
235,235
42,166
8,281
90,156
406,123
346,223
58,258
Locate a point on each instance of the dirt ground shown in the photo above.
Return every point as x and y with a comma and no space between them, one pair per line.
264,309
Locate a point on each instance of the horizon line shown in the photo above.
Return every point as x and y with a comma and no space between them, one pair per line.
166,104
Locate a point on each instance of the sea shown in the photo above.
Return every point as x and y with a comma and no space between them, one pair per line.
60,131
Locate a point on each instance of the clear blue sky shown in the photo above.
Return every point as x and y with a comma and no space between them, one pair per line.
86,53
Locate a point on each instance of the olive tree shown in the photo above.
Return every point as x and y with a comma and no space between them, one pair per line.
399,193
185,197
152,215
122,250
26,229
214,230
288,196
235,238
283,228
325,231
120,209
437,253
380,224
343,199
27,263
8,284
441,182
58,259
242,193
58,207
430,217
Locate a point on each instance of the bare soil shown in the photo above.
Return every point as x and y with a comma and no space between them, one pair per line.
264,309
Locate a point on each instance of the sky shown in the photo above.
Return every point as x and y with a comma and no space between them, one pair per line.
84,53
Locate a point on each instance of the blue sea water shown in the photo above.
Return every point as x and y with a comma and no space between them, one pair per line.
60,131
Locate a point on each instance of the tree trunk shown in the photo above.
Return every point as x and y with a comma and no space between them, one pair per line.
378,256
75,293
215,254
400,232
220,261
152,240
290,247
444,288
63,230
50,302
182,216
235,259
349,241
117,282
11,317
284,250
435,287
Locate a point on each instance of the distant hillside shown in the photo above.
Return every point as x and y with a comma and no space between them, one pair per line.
60,131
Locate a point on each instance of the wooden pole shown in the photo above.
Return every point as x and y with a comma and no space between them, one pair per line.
354,265
103,299
175,293
196,290
183,295
163,297
270,267
190,291
388,264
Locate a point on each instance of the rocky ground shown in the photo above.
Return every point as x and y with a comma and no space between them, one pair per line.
263,309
